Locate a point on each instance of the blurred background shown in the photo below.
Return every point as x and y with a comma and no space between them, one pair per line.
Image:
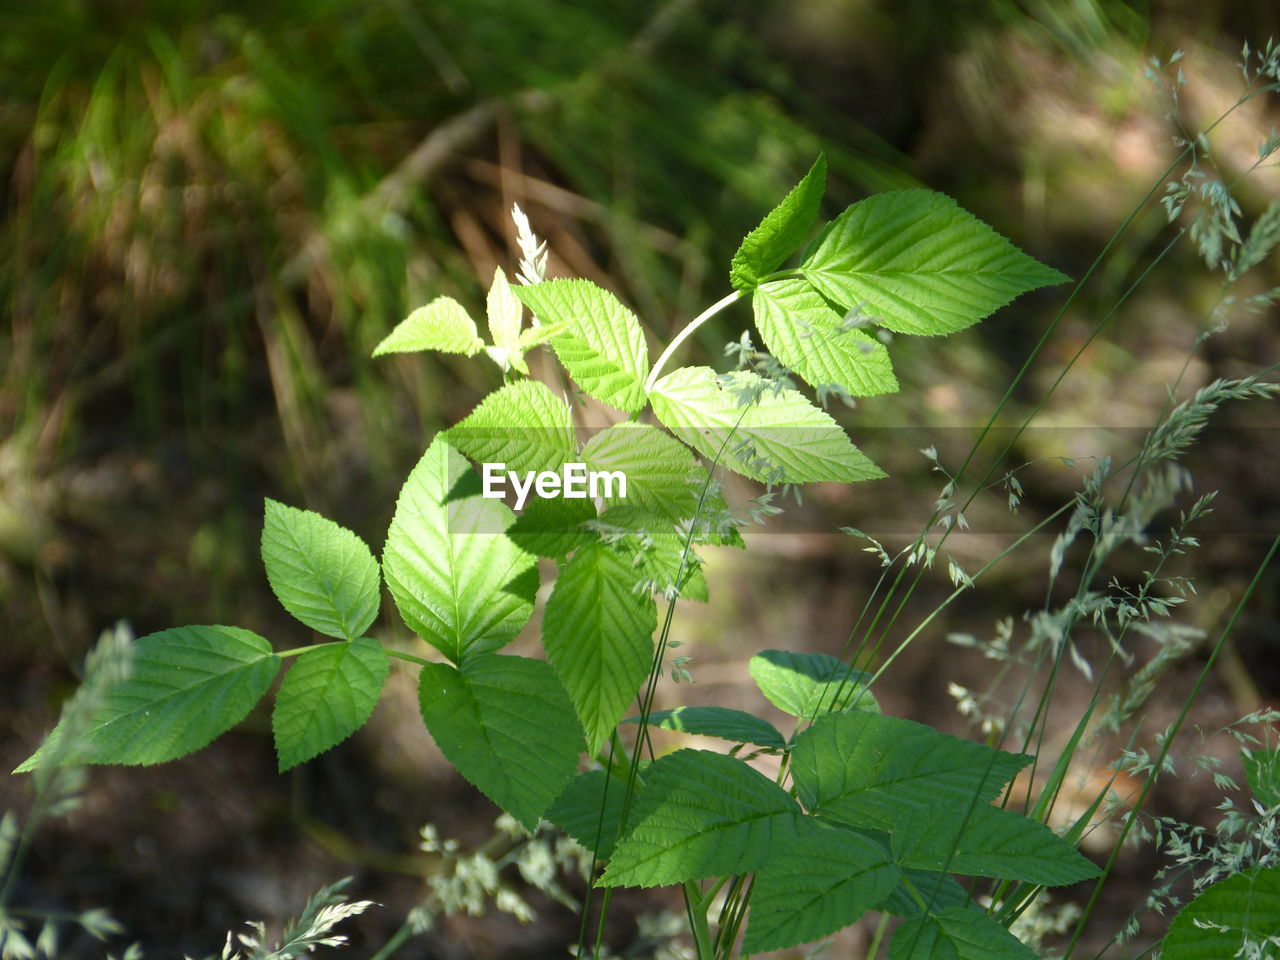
212,211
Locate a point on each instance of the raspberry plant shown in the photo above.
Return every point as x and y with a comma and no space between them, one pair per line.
868,812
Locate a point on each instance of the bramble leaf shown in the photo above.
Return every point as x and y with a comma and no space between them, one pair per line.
734,725
939,890
523,425
662,475
325,697
598,633
802,331
992,843
602,345
868,770
702,814
507,726
504,312
457,579
552,526
1236,917
189,685
918,263
827,880
959,933
1262,773
780,438
443,324
590,810
655,547
804,684
781,232
323,574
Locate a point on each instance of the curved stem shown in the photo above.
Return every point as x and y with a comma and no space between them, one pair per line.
683,335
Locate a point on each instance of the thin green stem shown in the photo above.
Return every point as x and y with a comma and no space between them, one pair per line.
684,335
696,907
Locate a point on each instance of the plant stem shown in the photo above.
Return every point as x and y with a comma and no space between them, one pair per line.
684,334
696,907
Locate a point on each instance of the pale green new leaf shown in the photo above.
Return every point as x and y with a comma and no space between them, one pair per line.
598,633
602,346
801,330
188,686
325,697
779,438
1262,772
443,324
590,810
507,726
321,573
505,312
1236,917
986,841
457,580
703,814
823,883
807,684
780,233
523,425
918,263
869,770
959,933
735,725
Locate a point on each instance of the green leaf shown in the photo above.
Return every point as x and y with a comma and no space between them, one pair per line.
985,841
780,438
505,312
956,934
457,580
1262,772
443,324
662,475
598,633
507,726
920,264
781,232
702,814
802,331
321,573
602,347
1233,914
804,684
869,770
325,697
658,561
735,725
590,810
939,891
552,527
523,425
823,883
189,685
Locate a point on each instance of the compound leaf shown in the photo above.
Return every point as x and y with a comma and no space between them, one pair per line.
805,684
868,770
800,329
780,437
507,726
325,697
598,633
702,814
602,345
323,574
735,725
986,841
523,425
443,324
457,579
920,264
188,686
781,232
959,933
1236,917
